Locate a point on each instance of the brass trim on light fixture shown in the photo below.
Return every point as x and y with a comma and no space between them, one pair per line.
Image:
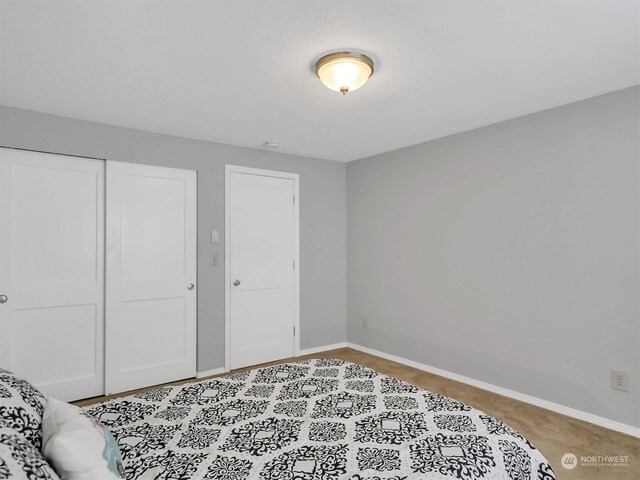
341,55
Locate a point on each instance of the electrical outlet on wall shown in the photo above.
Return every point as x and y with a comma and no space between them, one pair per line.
620,380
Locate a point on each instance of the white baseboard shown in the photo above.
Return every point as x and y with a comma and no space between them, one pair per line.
209,373
324,348
538,402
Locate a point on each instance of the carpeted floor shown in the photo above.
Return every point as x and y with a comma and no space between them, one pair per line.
553,434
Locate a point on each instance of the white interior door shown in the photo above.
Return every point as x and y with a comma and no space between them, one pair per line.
52,271
261,244
151,275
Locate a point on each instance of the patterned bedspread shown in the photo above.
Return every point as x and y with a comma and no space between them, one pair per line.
315,419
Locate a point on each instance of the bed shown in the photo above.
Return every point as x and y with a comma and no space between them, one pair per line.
315,419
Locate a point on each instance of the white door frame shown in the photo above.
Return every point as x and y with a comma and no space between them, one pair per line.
229,169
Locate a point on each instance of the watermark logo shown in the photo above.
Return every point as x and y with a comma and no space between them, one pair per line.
569,461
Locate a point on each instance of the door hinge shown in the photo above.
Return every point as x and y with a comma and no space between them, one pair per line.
294,264
294,199
294,331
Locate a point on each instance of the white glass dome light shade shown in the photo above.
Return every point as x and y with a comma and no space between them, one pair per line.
344,71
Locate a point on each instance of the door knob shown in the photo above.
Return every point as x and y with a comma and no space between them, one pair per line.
236,283
190,286
4,298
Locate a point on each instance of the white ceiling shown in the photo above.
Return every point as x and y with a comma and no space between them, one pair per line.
241,72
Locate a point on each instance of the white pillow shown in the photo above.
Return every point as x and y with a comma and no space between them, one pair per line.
77,445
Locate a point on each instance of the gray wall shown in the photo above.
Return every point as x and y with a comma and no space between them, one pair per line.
322,213
509,254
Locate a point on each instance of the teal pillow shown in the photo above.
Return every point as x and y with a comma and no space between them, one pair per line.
79,446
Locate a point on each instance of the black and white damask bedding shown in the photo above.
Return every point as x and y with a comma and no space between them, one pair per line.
318,419
21,409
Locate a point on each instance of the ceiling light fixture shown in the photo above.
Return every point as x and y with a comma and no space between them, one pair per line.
344,71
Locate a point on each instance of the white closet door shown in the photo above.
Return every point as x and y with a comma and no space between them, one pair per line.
52,271
151,273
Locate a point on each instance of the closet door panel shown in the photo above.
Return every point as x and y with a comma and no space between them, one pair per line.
151,262
6,275
143,318
55,222
53,245
154,209
47,331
